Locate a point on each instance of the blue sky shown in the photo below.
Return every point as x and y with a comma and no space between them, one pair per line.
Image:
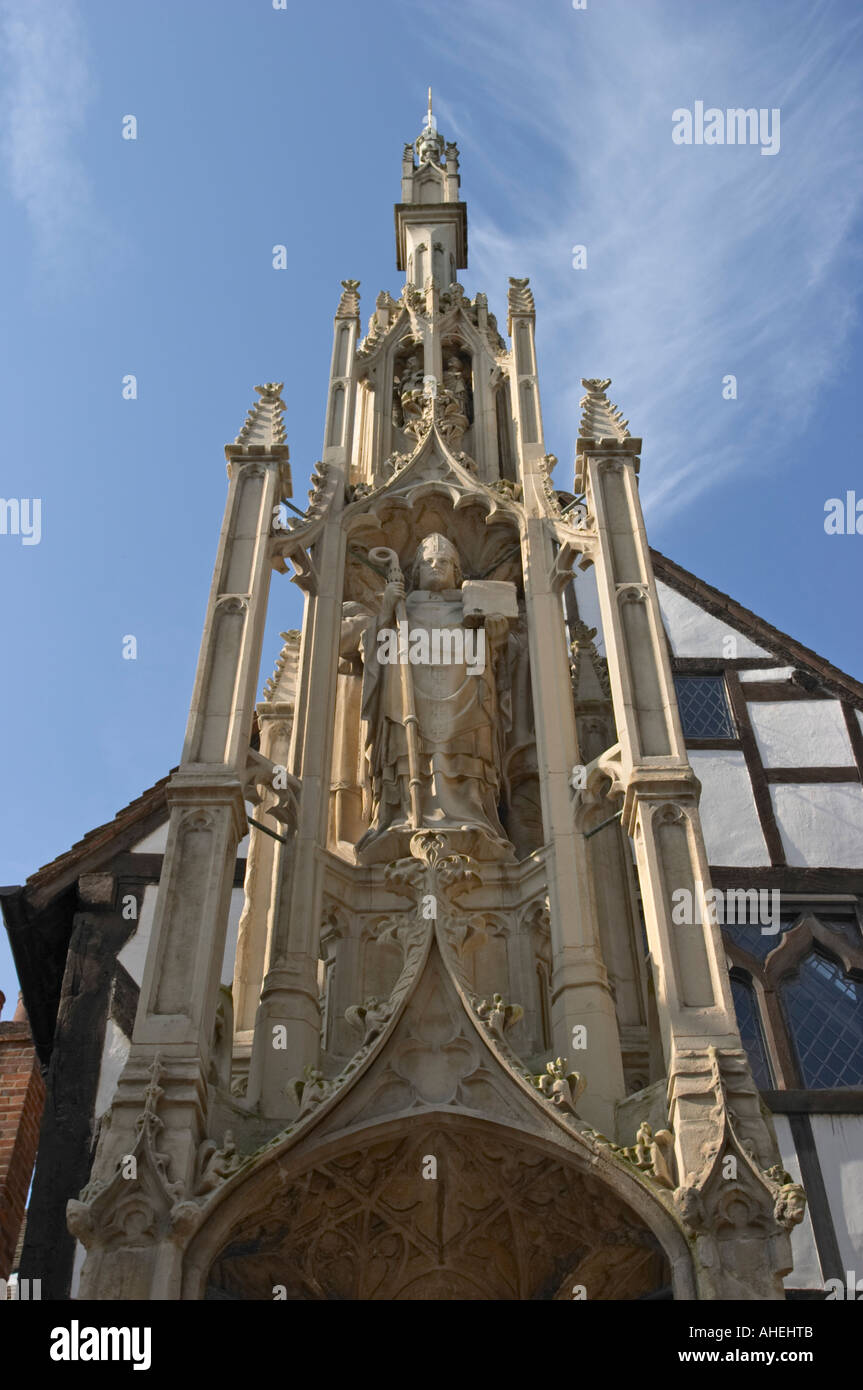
259,126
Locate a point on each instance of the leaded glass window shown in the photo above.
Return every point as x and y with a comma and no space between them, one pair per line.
758,943
751,1035
816,1037
703,706
825,1013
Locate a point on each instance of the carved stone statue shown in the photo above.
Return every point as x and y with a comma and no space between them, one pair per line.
408,408
369,1019
456,382
460,724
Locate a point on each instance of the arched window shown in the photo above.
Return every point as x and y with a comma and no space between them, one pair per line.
824,1006
798,992
751,1035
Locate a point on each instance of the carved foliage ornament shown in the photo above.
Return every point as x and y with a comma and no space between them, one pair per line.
349,303
264,425
600,418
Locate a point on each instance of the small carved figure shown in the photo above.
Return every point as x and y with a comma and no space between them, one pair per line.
561,1087
688,1201
411,391
456,382
370,1018
310,1089
790,1206
497,1015
214,1164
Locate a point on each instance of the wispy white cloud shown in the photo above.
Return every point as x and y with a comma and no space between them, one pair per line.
702,261
47,89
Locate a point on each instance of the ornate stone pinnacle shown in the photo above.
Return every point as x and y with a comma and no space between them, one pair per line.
520,298
349,304
600,418
264,426
290,653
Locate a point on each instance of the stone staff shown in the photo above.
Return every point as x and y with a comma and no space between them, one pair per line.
382,555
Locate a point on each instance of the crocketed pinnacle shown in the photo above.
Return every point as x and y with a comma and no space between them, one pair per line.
600,418
264,426
349,304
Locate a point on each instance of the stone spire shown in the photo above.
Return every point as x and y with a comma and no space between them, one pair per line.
600,418
349,304
430,211
264,427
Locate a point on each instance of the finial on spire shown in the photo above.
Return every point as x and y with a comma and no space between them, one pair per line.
263,427
600,417
429,145
349,304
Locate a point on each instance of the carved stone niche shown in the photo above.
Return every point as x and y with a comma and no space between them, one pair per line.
494,789
443,1209
457,393
408,391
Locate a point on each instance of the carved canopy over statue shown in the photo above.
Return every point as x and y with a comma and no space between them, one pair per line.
461,667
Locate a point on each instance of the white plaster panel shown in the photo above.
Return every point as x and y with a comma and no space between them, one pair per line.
238,897
732,830
806,1273
134,954
801,733
839,1142
693,632
821,823
115,1052
768,673
154,843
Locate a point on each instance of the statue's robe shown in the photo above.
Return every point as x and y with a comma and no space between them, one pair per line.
460,731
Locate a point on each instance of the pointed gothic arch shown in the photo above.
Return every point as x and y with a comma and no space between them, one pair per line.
507,1216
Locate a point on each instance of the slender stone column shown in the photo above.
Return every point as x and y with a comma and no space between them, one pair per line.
208,818
581,995
158,1115
274,720
661,791
289,998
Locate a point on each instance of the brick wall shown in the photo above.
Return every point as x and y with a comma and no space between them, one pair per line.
22,1095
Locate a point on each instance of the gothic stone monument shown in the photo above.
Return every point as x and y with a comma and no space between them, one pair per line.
447,1068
